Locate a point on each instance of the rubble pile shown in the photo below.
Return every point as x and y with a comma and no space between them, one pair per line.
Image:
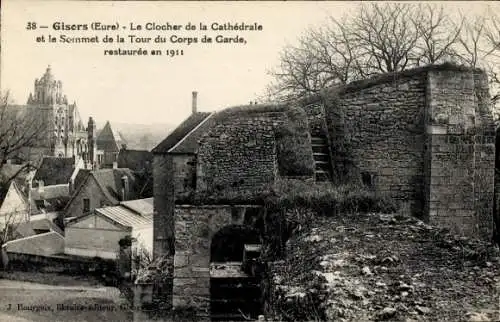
375,267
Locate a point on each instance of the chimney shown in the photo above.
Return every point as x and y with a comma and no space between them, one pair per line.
125,188
194,102
41,189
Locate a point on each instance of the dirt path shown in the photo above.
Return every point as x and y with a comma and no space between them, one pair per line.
28,301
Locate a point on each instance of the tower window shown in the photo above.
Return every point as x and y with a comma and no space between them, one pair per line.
86,205
368,179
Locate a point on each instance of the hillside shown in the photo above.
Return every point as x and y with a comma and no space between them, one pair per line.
372,267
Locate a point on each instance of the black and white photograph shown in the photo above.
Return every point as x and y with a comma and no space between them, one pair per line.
249,161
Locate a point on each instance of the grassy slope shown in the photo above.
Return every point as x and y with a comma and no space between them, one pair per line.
386,267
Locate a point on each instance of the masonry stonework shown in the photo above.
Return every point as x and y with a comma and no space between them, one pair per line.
426,137
238,155
195,227
381,127
423,136
462,152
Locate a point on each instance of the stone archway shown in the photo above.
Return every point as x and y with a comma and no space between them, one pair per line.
195,229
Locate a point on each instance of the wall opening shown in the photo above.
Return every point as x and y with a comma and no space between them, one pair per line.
235,293
368,179
228,243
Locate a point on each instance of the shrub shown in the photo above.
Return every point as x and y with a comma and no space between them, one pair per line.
293,144
327,199
158,271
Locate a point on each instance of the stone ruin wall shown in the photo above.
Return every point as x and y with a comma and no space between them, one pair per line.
426,138
380,129
460,152
238,155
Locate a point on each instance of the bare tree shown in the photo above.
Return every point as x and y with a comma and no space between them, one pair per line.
469,50
20,128
492,55
377,38
438,35
387,36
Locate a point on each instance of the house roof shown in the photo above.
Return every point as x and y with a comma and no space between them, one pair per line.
12,185
8,171
109,140
50,192
36,244
141,206
80,177
189,144
136,160
55,170
128,217
110,181
38,222
180,132
50,205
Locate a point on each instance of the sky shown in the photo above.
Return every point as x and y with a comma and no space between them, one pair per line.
154,89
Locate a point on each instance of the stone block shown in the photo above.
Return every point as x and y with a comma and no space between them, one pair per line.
436,129
181,259
183,272
202,260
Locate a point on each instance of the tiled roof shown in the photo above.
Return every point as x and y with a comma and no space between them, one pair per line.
8,171
136,160
125,216
109,140
180,132
50,192
80,177
189,144
110,180
38,222
55,170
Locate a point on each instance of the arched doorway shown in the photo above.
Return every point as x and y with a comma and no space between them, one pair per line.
235,293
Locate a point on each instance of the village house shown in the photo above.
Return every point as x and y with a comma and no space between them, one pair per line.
53,183
108,144
98,234
139,161
103,188
14,206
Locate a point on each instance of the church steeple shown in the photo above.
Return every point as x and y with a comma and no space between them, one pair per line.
48,91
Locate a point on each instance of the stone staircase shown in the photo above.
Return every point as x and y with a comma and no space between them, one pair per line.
321,155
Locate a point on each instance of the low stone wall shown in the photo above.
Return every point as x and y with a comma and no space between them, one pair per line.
45,244
69,265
